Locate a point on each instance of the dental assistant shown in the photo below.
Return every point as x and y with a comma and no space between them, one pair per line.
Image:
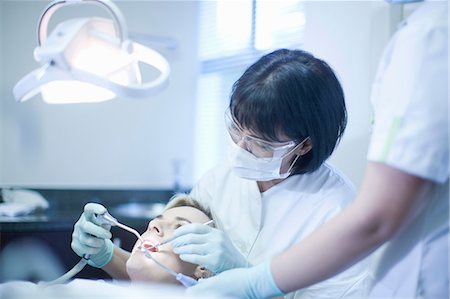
286,116
403,201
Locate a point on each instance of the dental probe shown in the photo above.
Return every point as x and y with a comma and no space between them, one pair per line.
172,238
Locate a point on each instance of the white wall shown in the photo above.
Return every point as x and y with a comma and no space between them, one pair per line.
350,36
132,144
117,144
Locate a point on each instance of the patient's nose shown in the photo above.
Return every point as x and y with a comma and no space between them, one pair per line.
156,228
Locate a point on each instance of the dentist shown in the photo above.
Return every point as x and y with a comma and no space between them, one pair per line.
286,116
403,201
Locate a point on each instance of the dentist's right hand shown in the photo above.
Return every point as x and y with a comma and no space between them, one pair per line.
203,245
91,236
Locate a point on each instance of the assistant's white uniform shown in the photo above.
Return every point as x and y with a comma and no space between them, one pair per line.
410,133
262,225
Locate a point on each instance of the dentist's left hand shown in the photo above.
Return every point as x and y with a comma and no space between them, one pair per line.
203,245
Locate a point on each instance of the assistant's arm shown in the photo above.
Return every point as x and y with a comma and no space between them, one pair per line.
387,201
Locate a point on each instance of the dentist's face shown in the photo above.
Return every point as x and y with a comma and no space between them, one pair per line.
141,268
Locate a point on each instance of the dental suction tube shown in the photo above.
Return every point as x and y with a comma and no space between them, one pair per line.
105,219
185,280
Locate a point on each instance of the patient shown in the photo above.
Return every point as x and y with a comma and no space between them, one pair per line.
181,210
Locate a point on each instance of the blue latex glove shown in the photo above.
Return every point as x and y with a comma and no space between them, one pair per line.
203,245
255,283
92,236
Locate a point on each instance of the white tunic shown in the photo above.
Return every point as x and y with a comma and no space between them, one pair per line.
262,225
410,133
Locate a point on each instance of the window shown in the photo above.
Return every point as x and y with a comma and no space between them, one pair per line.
232,36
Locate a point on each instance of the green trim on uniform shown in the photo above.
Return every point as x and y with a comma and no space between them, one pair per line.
390,137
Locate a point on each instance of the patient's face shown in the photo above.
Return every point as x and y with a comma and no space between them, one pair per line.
141,268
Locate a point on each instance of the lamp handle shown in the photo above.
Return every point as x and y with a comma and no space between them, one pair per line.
119,20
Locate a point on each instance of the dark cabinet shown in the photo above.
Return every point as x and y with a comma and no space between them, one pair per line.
49,248
41,242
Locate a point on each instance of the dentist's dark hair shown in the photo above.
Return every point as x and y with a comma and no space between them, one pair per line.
291,93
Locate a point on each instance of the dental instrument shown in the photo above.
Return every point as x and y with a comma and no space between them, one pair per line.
185,280
208,222
154,248
104,219
107,218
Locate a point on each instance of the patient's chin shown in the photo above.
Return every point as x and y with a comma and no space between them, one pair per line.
147,272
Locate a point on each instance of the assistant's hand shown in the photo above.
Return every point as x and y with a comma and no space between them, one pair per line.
255,283
91,236
203,245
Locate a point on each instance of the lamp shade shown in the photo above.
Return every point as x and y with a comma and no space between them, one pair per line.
84,61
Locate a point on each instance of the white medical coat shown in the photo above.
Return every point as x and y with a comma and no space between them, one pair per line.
262,225
410,133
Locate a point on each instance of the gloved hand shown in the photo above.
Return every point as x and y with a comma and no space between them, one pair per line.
255,283
203,245
92,236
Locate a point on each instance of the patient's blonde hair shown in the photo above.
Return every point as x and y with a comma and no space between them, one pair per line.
185,200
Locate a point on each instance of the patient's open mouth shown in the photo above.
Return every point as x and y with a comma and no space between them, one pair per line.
149,246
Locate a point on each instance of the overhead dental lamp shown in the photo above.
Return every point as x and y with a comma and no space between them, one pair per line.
88,60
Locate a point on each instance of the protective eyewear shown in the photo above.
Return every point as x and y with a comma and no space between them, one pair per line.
254,145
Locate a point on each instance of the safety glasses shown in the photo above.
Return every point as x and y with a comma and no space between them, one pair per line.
254,145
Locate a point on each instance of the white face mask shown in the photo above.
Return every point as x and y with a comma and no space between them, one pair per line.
247,166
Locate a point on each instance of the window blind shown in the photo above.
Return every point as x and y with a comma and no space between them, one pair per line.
232,36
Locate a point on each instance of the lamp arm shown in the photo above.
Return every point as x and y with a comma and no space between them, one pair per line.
119,21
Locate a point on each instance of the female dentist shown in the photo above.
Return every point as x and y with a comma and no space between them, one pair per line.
405,194
286,115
